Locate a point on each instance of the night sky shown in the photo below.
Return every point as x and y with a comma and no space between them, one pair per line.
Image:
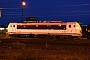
65,10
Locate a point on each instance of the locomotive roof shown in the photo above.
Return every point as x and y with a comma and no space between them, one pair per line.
61,23
43,23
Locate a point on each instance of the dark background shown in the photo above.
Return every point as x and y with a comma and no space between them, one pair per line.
65,10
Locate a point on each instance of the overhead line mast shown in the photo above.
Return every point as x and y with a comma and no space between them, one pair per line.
23,4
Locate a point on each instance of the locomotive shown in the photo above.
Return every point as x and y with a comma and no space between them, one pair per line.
56,29
86,31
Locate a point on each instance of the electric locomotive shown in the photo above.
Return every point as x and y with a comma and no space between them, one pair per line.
45,28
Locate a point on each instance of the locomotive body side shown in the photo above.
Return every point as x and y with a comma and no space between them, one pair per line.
56,29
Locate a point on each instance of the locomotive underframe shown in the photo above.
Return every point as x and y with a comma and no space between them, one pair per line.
48,35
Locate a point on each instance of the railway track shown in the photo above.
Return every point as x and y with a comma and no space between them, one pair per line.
76,42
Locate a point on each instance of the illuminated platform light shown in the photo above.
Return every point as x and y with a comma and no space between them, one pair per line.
23,3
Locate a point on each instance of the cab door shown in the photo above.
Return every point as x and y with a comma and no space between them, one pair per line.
12,28
71,28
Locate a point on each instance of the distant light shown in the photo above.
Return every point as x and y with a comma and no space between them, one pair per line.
1,28
23,3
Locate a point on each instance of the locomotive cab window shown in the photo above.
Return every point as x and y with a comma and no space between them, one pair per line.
10,25
13,25
74,26
69,26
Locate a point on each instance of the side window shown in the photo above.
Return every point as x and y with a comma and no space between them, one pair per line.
10,25
13,25
74,26
69,26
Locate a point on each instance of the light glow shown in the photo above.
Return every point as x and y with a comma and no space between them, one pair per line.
23,3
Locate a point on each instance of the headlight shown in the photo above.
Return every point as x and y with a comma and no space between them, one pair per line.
77,27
